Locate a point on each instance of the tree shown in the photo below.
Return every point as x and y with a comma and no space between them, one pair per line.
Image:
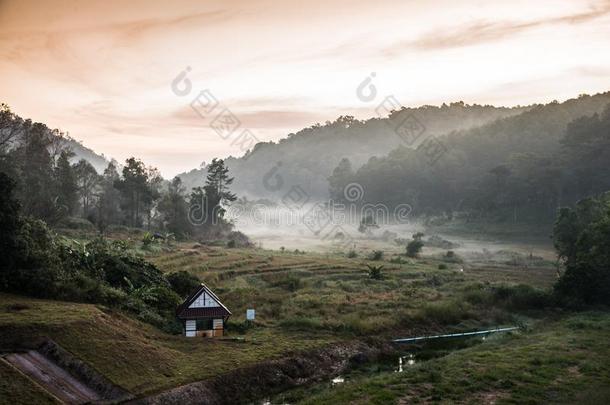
9,224
342,175
65,178
152,194
415,246
218,182
183,282
12,128
174,210
133,187
87,180
217,190
108,201
582,238
36,190
366,223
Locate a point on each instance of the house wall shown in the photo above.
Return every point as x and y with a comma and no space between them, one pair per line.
190,328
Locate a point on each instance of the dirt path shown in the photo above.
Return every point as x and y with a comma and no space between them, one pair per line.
52,378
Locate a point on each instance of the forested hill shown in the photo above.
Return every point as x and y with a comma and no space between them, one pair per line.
520,168
309,156
99,162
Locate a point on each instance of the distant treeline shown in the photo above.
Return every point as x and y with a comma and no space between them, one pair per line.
51,188
516,169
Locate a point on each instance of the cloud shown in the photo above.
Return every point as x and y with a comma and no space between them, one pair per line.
487,31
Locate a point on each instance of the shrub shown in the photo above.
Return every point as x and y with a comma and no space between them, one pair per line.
147,240
516,298
37,268
301,323
231,244
444,313
399,260
183,282
240,327
376,255
375,272
520,297
414,247
442,266
352,254
77,223
289,282
240,239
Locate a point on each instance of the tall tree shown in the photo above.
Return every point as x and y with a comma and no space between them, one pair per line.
134,187
87,181
217,189
9,224
342,175
218,181
174,209
582,239
108,201
36,188
152,194
65,178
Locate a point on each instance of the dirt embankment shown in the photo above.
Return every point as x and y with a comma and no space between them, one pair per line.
270,377
62,374
83,372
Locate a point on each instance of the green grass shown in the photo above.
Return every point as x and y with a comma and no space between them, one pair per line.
560,361
134,355
303,301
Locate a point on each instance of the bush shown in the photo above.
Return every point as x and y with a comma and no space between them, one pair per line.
239,239
77,223
515,298
445,313
399,260
147,241
289,282
37,268
520,297
375,272
414,247
301,323
240,327
442,266
183,282
352,254
376,255
96,272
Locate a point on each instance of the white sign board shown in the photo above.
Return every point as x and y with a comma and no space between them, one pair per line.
250,314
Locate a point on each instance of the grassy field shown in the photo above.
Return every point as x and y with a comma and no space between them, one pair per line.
303,301
560,361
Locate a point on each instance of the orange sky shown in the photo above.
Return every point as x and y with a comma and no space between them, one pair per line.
102,70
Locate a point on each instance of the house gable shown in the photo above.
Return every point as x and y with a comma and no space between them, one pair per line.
202,303
204,300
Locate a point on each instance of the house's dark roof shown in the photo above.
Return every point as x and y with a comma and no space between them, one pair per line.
184,312
214,312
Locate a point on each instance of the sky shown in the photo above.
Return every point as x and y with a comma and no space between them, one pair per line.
109,72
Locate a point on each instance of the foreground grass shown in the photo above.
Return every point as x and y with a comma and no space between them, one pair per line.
303,301
561,361
134,355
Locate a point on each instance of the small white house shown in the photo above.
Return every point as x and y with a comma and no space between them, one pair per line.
202,314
